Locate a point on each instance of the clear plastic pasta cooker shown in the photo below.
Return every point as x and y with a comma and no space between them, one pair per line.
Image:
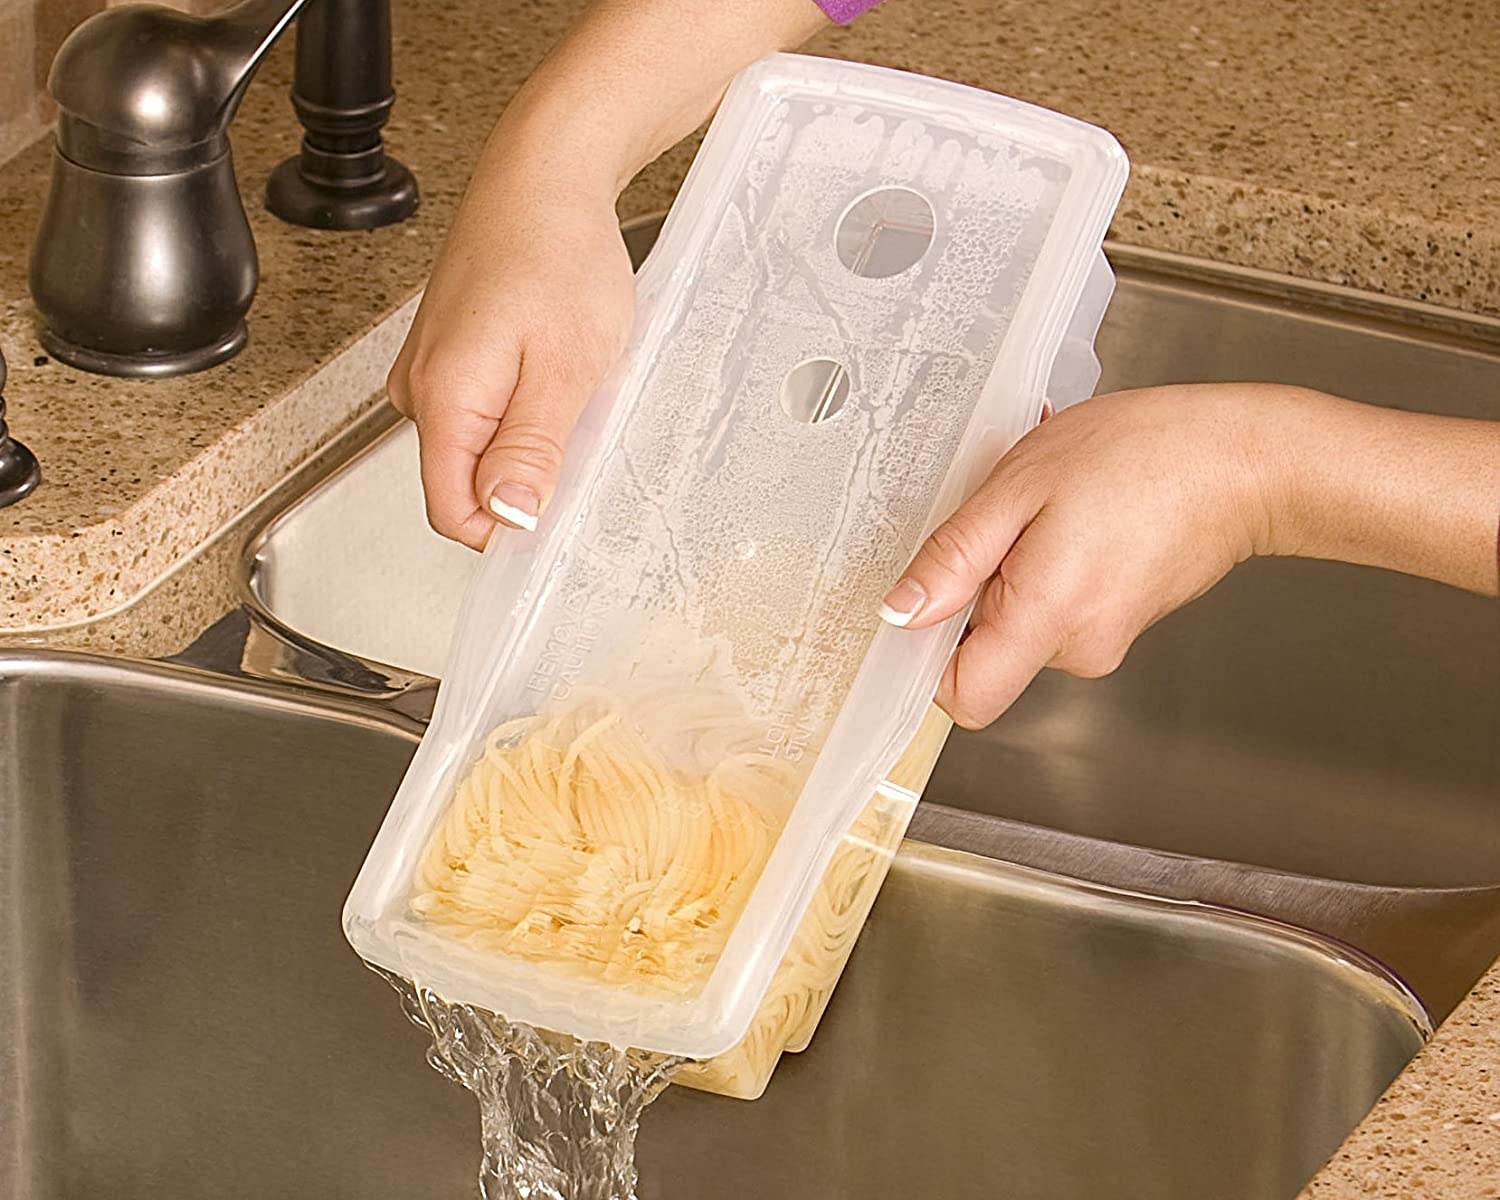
665,774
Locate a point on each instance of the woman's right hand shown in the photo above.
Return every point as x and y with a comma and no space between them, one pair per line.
532,298
530,304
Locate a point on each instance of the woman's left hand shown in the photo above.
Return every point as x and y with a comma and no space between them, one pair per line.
1094,526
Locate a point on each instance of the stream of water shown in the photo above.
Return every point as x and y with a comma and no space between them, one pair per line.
558,1117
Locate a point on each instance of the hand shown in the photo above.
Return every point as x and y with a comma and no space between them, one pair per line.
531,300
1094,526
1107,517
529,306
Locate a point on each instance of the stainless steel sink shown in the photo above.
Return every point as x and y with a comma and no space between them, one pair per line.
1336,727
180,1017
1310,741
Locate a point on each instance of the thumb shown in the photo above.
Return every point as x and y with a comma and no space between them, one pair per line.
960,556
517,473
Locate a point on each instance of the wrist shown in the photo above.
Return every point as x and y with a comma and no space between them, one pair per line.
1267,481
1385,487
635,77
1300,443
541,146
1330,498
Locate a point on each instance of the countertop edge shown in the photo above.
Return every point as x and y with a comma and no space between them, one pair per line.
190,508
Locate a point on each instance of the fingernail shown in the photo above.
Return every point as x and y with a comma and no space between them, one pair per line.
902,603
516,504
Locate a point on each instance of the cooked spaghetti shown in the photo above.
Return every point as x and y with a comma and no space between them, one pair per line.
579,840
573,840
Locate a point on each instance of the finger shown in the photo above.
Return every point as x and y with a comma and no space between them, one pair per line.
517,473
1006,649
961,554
451,439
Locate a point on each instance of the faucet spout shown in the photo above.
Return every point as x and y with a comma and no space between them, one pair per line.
249,30
143,89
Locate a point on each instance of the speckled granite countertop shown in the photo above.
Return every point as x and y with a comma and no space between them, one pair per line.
1435,1134
1349,141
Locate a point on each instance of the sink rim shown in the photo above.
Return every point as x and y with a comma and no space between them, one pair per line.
367,437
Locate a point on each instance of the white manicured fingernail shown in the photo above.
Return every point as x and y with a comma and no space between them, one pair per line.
902,603
515,504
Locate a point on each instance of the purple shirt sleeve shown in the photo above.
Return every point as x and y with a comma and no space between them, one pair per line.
844,11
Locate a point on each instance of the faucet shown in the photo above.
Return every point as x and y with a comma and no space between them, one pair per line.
19,473
144,264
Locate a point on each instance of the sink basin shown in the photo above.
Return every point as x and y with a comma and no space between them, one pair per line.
1318,739
180,1016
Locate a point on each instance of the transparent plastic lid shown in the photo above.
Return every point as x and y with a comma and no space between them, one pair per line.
665,709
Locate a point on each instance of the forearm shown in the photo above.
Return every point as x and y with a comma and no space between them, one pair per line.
631,79
1410,492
